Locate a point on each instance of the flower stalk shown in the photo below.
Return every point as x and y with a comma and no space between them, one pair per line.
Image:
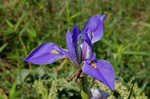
84,88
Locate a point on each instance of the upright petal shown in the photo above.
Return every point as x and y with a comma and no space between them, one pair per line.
86,38
94,27
86,47
46,53
92,58
86,51
75,39
75,35
71,47
102,71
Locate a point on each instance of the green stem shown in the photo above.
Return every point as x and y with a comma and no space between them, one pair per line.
84,87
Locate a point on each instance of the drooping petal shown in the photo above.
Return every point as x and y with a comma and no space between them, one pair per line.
71,47
102,71
46,53
94,27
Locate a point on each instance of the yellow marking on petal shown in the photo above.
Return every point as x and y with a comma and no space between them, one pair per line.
54,52
94,65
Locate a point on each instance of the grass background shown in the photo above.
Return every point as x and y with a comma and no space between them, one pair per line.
24,24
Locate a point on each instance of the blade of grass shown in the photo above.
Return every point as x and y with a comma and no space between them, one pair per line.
12,93
75,15
108,43
25,28
131,90
20,20
145,24
25,49
3,47
9,24
136,53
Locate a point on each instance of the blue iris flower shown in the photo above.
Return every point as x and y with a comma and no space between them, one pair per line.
79,44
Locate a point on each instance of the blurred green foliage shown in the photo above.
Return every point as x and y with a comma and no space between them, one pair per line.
24,24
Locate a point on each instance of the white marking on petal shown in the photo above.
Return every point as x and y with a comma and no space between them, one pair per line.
85,50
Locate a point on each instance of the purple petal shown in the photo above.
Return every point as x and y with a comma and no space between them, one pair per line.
46,53
92,58
86,38
71,47
75,38
94,27
86,50
86,47
102,71
75,35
